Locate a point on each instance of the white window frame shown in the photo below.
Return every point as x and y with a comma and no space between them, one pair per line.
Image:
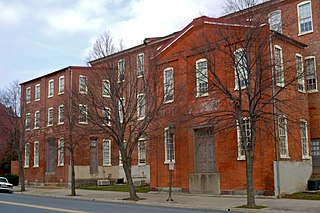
106,116
142,153
83,113
61,85
50,116
50,88
315,147
140,65
121,106
141,106
300,73
37,119
37,90
247,129
61,152
106,152
283,137
168,87
121,70
28,121
83,84
28,95
312,76
166,146
202,78
36,154
304,139
26,155
279,69
299,17
61,114
275,21
106,90
240,68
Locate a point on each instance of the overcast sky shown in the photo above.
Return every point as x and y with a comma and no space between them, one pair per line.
40,36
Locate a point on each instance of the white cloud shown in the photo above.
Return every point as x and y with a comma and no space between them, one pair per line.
10,15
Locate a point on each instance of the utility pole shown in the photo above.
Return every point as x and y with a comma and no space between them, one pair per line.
171,157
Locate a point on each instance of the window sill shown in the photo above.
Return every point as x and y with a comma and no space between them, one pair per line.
241,158
60,93
285,157
242,88
306,158
106,165
142,164
302,91
60,123
106,96
49,125
167,162
60,165
83,92
140,118
50,96
312,91
83,122
140,76
37,100
26,167
35,166
202,95
280,85
168,102
305,33
36,127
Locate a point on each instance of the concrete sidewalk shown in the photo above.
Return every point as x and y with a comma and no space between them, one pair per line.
181,200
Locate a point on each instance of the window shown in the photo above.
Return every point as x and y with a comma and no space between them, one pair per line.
28,94
83,114
36,154
304,139
50,116
61,114
121,109
247,131
28,121
50,88
61,84
275,21
93,156
279,66
202,77
241,68
169,145
142,151
106,88
311,74
83,84
168,85
315,148
141,106
283,136
140,64
61,152
305,17
26,155
37,92
121,70
106,153
106,113
300,74
37,120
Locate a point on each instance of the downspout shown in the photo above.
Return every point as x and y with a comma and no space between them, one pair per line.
275,118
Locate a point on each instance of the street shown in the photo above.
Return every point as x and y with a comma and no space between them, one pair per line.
12,203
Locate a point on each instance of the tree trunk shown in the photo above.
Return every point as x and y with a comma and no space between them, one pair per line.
131,187
251,203
73,175
21,171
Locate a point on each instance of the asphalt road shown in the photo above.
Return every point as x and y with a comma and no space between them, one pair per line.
16,203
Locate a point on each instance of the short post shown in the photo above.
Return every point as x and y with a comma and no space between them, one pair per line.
171,157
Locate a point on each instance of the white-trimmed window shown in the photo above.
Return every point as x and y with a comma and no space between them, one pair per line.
140,64
202,77
106,152
315,147
283,136
169,144
141,110
26,155
305,17
83,114
279,66
50,116
106,114
311,76
241,68
61,84
121,109
61,152
168,84
28,121
121,70
37,92
106,88
28,94
50,88
247,131
275,21
36,154
37,119
142,151
300,73
61,114
83,88
304,139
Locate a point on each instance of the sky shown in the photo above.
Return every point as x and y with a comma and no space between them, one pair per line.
41,36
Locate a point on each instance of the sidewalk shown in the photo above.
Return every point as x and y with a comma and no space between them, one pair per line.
181,200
